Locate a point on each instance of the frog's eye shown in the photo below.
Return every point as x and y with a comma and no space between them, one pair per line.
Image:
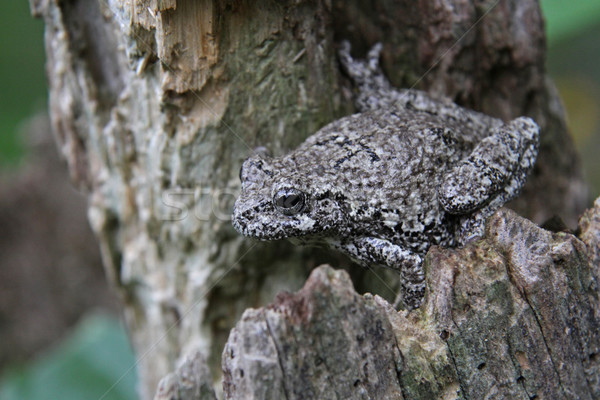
289,201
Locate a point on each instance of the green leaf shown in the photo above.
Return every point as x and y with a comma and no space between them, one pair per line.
95,361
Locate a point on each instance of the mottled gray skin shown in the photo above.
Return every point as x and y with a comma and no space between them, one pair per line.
385,184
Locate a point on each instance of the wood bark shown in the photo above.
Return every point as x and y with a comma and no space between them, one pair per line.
155,103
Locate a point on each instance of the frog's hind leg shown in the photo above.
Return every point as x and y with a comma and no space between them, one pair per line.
374,89
492,175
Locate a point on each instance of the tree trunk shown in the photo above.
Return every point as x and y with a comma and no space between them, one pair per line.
155,103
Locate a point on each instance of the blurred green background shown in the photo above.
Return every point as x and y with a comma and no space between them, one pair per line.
22,79
94,362
97,354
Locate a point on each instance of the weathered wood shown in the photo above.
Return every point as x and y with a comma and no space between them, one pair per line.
190,381
323,342
156,103
515,315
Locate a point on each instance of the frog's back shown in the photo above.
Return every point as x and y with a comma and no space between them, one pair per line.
385,157
385,167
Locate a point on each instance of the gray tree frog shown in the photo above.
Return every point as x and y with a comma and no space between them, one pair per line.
406,172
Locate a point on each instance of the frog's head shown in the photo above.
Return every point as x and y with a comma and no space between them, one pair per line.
278,202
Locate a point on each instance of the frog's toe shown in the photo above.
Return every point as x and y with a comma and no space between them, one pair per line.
373,56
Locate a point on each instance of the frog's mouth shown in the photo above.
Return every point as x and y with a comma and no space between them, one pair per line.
258,231
271,225
268,228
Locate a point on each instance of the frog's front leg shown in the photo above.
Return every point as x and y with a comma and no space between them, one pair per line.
370,250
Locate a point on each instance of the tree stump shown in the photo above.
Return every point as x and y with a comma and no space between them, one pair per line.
515,315
155,104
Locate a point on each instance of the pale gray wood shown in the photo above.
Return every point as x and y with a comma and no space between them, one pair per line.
190,381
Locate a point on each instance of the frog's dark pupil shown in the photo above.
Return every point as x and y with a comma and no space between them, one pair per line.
291,200
288,201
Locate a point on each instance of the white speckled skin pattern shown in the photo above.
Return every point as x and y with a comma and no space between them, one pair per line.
385,184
